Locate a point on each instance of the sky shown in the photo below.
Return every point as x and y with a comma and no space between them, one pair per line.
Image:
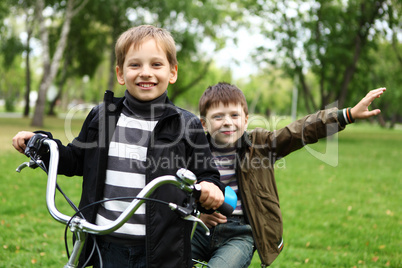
237,56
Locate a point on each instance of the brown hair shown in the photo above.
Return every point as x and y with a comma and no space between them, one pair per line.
137,35
221,92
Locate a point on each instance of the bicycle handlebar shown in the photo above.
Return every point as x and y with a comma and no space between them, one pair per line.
125,215
184,180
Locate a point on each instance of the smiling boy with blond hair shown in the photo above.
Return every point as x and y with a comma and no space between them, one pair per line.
125,143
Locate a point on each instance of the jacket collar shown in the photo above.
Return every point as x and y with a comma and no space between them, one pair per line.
115,105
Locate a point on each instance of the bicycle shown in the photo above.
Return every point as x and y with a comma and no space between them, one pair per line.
184,180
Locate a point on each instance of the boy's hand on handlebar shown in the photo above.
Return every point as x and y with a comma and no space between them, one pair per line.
211,196
19,140
212,220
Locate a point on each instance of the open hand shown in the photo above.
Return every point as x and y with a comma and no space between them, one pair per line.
361,111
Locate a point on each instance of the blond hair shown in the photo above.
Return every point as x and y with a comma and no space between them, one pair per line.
135,36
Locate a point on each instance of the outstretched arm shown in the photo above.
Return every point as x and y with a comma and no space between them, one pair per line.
361,111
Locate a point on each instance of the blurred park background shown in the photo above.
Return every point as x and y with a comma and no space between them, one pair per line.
57,54
289,57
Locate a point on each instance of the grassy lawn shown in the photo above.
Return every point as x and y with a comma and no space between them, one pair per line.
340,199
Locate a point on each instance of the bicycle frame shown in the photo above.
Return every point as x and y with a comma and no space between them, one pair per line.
185,180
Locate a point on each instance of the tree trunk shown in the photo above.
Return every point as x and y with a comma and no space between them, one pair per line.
360,41
349,72
37,119
381,120
27,68
112,71
177,91
51,66
395,48
60,87
116,31
394,119
308,97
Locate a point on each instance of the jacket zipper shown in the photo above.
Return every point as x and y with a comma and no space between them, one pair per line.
147,180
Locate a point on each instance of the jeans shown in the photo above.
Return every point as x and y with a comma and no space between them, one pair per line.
230,244
118,256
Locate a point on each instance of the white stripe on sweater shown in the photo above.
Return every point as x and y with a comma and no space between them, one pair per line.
127,228
129,151
125,179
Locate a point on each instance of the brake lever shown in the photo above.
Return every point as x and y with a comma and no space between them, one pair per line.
198,220
32,164
185,214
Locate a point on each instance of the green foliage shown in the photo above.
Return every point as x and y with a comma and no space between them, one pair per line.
269,92
326,37
11,85
86,47
381,68
10,45
188,21
4,12
10,105
190,93
323,43
10,49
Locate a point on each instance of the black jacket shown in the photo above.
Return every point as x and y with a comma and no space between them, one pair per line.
178,141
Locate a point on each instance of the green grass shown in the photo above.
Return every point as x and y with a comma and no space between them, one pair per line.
348,215
342,215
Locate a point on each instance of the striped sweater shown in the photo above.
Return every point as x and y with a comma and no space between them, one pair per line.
225,161
126,168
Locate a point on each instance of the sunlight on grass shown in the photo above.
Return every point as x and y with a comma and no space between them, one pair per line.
11,126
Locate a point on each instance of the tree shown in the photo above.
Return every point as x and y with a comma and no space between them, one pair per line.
10,49
382,69
29,25
190,22
190,97
51,64
394,12
10,82
4,11
86,46
327,37
13,46
269,92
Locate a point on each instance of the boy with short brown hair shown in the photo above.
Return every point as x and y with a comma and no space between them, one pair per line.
246,163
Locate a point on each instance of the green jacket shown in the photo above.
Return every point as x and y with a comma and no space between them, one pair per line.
258,151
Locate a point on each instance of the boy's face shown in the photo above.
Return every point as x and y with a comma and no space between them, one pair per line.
146,71
225,124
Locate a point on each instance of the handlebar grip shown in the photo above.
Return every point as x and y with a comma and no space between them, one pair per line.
229,204
34,146
226,209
